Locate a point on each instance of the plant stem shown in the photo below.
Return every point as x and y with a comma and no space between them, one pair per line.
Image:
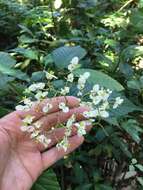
125,5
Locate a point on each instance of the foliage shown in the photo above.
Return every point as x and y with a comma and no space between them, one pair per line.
107,35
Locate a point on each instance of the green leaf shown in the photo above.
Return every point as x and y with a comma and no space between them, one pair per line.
139,166
118,142
6,60
4,80
132,128
47,181
3,111
126,107
131,52
38,76
6,64
134,84
63,55
28,53
97,77
140,180
13,72
48,59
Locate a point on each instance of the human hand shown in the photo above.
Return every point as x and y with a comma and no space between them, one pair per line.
22,159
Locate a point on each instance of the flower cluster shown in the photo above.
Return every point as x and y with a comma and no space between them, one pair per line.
34,130
98,104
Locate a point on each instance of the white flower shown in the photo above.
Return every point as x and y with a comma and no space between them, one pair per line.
81,126
34,134
63,144
103,113
104,94
96,88
27,128
40,95
94,91
40,85
65,90
50,75
28,102
74,60
86,104
118,101
24,128
79,93
90,114
96,99
37,125
43,140
70,121
22,108
140,64
86,75
70,77
82,80
28,119
47,107
36,86
74,64
105,105
63,107
32,87
109,91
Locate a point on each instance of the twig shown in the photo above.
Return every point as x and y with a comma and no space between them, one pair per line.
125,5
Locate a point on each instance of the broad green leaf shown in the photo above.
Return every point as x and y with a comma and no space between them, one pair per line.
28,53
6,67
3,111
118,142
6,60
140,180
38,76
126,107
63,55
134,84
140,167
13,72
4,80
98,77
131,52
136,20
132,128
47,181
48,59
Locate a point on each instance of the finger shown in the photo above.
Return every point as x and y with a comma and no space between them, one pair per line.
56,118
53,155
36,110
57,135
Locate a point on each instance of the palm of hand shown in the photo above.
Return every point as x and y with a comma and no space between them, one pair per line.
21,159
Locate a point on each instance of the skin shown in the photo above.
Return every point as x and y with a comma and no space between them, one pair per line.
22,159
